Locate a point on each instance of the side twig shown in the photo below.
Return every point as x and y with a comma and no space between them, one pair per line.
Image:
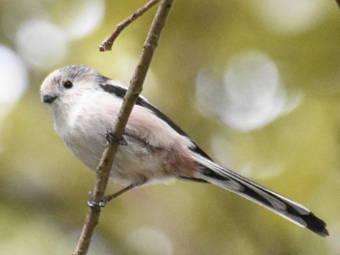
108,42
103,170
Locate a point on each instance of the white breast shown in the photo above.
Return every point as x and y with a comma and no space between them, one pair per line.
152,143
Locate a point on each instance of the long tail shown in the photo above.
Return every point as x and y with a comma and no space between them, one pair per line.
240,185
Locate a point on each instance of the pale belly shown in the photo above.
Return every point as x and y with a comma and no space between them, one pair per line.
135,163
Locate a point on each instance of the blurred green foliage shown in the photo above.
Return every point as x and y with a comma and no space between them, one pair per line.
44,188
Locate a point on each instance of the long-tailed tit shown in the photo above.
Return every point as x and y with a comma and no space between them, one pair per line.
84,106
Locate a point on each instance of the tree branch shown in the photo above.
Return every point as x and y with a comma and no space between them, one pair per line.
104,167
107,43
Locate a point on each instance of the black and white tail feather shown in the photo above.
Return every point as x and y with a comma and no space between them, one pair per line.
229,180
244,187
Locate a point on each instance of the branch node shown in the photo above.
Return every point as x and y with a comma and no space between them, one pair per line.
106,45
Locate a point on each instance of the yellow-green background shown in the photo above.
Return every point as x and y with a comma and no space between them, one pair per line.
44,189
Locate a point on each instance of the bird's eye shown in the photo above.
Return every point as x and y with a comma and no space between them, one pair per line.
68,84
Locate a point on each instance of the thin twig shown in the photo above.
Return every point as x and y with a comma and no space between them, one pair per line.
108,42
103,170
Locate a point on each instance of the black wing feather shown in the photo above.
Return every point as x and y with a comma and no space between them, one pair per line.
120,92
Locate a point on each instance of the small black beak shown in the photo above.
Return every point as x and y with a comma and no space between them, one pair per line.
49,99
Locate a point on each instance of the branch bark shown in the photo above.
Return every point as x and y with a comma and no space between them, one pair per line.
136,83
107,43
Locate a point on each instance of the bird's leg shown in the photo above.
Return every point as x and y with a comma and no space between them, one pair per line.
111,139
107,199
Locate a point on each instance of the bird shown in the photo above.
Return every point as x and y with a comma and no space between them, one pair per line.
84,105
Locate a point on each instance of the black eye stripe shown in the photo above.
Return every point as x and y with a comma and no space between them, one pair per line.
67,84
